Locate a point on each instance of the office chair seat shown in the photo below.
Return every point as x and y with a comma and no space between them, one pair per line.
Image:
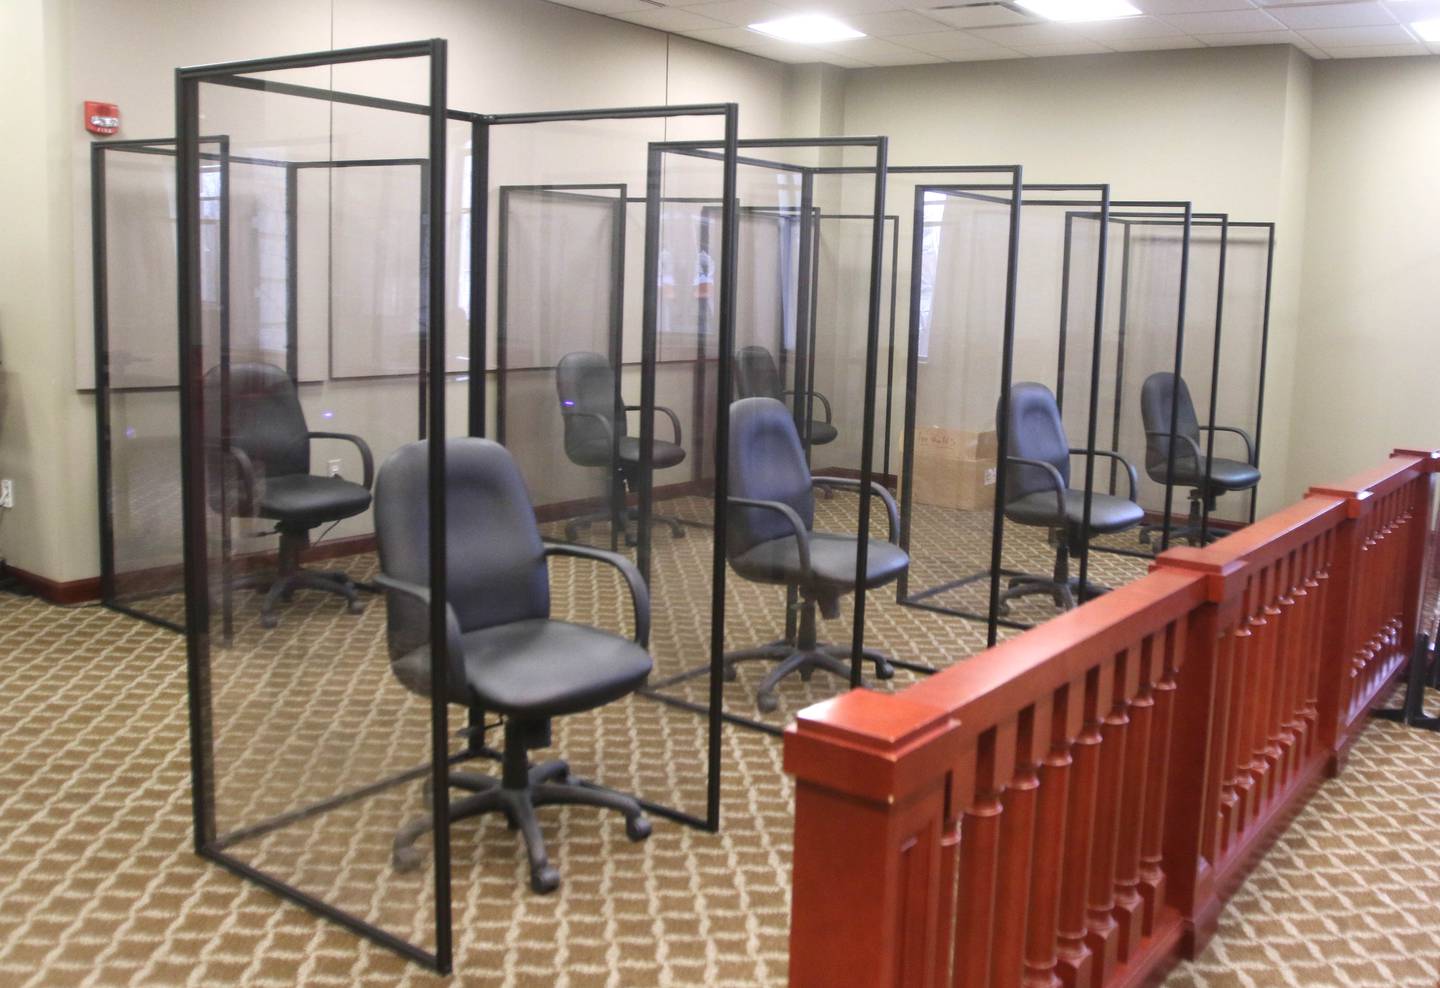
1226,475
832,559
304,501
539,668
596,452
1107,512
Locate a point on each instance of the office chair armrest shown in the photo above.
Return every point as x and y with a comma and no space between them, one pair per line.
1055,479
367,460
823,400
243,465
802,537
639,593
454,649
1129,467
669,413
876,487
1245,436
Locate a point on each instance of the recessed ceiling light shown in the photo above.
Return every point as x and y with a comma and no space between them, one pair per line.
808,29
1428,30
1080,10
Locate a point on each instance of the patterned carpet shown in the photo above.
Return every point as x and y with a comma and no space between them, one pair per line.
98,885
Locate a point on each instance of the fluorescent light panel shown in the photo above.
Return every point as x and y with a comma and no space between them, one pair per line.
1428,30
1080,10
808,29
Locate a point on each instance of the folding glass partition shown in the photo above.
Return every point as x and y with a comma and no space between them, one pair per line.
820,364
136,376
1007,295
608,273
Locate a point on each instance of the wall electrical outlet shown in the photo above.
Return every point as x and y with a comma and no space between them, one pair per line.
334,468
989,476
7,493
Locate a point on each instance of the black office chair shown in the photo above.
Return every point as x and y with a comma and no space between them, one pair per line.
267,473
1160,393
770,538
596,436
756,376
506,654
1038,493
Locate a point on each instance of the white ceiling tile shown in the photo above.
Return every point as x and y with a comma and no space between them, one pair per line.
1379,51
942,42
740,12
671,19
1155,44
1073,48
1125,27
1224,22
1250,38
1189,6
839,8
1320,15
1030,34
980,16
731,37
779,51
874,51
991,54
608,6
895,22
1352,37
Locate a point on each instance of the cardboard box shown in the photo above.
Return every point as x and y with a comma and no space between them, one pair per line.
954,468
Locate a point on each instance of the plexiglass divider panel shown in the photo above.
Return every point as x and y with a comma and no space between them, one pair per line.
1145,341
309,751
606,269
792,373
1240,367
1007,290
136,384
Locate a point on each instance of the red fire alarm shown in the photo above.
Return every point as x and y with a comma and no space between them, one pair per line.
101,118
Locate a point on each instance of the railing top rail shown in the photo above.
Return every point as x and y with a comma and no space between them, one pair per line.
1002,681
1267,539
1362,488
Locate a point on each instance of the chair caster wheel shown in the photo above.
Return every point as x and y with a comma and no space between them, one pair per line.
729,674
269,621
884,670
767,702
806,673
678,532
406,859
544,880
637,828
355,607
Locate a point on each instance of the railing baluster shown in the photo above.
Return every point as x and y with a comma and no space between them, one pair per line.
1152,831
979,863
1077,964
1102,930
1042,937
1129,904
1017,851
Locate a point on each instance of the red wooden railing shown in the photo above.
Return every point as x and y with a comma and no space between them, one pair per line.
1072,807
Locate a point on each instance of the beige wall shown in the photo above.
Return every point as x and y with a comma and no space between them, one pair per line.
1365,369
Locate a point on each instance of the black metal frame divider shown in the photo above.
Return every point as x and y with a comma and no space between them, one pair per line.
1093,198
431,378
104,390
804,410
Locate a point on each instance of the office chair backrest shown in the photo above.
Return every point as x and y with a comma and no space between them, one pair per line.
1036,432
1157,394
756,375
495,563
767,463
585,382
265,417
